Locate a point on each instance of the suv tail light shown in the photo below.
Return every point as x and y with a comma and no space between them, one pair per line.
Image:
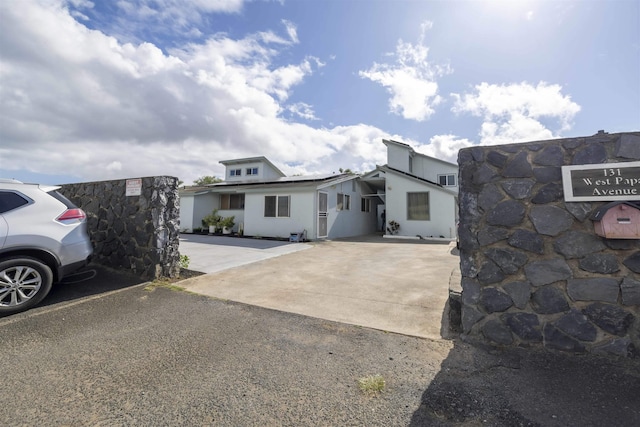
71,216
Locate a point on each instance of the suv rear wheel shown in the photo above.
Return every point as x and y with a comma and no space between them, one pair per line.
24,282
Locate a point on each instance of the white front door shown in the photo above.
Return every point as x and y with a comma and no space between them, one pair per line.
323,204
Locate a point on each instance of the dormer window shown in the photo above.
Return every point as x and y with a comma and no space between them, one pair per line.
252,171
235,172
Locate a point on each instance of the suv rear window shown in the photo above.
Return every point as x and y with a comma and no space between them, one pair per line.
10,201
62,199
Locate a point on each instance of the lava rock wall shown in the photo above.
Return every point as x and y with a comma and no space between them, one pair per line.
534,273
136,233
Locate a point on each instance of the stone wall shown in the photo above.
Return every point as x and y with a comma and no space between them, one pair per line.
534,273
135,233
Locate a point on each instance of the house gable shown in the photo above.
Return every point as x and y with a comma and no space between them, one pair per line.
402,187
436,170
399,155
402,157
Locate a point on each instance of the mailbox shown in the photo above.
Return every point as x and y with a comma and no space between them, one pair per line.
617,220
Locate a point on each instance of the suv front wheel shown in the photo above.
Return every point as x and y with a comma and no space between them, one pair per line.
24,282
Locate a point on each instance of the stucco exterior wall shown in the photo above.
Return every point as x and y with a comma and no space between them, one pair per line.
203,205
352,222
428,168
442,206
398,157
301,214
534,273
304,214
265,172
186,213
238,217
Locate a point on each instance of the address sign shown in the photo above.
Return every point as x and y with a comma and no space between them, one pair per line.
605,181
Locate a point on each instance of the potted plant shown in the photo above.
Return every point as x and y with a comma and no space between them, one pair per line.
212,221
393,227
227,224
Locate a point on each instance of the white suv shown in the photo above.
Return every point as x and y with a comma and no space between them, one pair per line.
43,237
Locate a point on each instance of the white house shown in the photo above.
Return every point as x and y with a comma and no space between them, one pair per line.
266,203
417,192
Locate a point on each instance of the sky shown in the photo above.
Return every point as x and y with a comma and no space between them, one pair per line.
96,90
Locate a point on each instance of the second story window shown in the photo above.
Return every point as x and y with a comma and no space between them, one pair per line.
252,171
235,172
447,180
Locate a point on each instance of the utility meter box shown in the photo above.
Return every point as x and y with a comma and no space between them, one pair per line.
617,220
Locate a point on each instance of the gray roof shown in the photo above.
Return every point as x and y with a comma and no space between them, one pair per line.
298,181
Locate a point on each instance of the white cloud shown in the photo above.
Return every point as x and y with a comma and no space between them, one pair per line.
80,102
291,30
114,166
151,20
82,4
411,80
302,110
515,112
444,147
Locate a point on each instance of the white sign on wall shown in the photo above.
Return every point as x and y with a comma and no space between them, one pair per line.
134,187
605,181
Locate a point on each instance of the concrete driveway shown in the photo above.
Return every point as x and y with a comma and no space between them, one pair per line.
210,254
393,285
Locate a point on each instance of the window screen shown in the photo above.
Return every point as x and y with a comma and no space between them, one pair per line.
418,206
283,205
270,206
232,201
447,180
276,206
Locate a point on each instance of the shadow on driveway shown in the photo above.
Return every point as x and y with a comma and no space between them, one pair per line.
240,242
91,280
527,387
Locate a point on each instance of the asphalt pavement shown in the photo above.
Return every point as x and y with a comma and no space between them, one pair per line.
144,355
105,349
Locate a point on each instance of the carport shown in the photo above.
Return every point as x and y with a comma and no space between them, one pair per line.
398,286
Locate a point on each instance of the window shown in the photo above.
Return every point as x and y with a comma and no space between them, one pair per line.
365,205
10,201
276,206
235,172
232,201
447,180
343,202
418,206
252,171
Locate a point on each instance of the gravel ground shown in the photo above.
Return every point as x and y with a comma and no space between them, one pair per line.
166,357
